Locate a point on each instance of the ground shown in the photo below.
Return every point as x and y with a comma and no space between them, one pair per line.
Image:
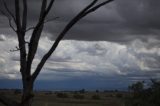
72,98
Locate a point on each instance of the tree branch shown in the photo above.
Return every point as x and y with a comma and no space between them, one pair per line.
97,6
18,48
43,7
34,41
9,20
21,39
62,34
14,50
9,12
46,21
49,7
52,19
17,12
35,37
24,21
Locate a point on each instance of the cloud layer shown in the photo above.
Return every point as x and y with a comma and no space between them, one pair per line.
79,59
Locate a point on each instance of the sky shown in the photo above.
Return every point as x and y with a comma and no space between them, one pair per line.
111,48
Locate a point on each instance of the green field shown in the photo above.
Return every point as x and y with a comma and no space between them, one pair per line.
51,99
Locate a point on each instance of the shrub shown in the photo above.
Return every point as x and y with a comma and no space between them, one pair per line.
97,91
96,97
144,96
82,91
119,95
48,93
16,92
62,95
110,95
78,96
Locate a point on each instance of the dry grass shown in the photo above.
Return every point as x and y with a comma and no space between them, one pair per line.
43,99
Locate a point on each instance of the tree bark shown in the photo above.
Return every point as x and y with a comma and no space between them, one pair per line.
27,96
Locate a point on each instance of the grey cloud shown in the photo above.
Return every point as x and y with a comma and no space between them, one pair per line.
119,21
104,58
84,58
122,21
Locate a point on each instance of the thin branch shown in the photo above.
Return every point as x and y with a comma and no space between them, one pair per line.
9,20
49,7
10,24
18,48
97,6
49,20
46,21
30,28
14,50
63,33
9,12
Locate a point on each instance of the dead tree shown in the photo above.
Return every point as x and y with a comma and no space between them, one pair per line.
26,57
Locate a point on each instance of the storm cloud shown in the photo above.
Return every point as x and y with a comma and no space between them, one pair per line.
119,21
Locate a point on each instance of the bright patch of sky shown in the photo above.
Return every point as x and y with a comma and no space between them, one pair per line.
139,59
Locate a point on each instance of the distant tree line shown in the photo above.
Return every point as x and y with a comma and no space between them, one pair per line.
144,96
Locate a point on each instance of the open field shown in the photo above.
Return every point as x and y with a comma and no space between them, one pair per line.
83,99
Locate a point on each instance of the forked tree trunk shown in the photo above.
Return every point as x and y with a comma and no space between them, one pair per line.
27,95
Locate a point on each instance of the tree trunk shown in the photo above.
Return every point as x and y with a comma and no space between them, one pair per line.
27,96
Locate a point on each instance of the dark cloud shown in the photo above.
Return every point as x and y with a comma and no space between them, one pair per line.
119,21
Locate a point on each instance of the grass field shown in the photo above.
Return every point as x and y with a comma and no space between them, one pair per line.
51,99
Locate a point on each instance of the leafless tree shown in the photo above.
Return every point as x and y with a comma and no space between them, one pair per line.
19,18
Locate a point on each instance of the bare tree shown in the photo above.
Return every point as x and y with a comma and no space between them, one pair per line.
19,18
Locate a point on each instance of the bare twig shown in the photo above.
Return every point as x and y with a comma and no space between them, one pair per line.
49,7
14,50
46,21
97,6
18,48
9,12
52,19
9,20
